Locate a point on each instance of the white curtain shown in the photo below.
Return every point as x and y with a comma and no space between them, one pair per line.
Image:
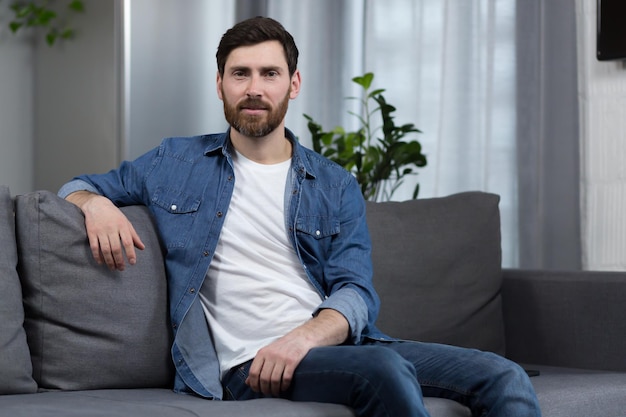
449,67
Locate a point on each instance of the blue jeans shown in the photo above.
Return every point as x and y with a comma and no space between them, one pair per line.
390,379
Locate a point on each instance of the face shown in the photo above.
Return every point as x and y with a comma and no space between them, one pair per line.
256,88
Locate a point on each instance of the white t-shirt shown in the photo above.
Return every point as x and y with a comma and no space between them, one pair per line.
256,289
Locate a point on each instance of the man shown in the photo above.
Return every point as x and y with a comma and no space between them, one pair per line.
268,259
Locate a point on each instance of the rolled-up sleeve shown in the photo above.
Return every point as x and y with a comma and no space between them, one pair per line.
349,303
76,185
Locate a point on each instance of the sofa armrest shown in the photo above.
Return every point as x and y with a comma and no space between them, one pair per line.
570,319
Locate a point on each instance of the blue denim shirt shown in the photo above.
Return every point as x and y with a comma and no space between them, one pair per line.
187,184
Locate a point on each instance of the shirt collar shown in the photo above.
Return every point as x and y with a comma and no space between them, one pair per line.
300,162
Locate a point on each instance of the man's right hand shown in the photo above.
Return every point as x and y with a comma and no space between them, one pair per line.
109,231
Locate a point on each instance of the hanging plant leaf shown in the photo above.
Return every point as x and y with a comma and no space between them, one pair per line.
38,15
77,6
14,26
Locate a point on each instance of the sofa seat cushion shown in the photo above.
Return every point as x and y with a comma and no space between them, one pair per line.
15,366
437,269
567,392
156,403
89,327
165,403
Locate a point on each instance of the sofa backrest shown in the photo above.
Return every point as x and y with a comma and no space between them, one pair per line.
437,269
15,366
89,327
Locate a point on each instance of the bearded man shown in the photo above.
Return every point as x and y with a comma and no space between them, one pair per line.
268,259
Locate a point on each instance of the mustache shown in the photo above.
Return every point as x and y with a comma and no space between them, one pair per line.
253,103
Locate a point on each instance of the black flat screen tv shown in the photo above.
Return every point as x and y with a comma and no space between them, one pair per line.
611,30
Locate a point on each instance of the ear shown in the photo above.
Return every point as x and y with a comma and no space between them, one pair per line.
218,85
296,81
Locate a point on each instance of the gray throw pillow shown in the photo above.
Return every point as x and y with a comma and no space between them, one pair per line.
15,366
437,269
89,327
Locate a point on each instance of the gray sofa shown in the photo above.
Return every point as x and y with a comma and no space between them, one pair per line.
80,340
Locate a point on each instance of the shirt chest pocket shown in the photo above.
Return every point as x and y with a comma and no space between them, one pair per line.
316,227
175,212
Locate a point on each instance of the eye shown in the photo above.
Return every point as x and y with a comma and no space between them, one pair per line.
272,74
239,73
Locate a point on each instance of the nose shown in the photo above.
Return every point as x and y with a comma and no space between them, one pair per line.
254,89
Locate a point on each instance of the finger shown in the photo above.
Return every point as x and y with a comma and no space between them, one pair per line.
136,239
117,252
265,379
104,247
131,242
253,379
276,380
94,245
129,248
287,376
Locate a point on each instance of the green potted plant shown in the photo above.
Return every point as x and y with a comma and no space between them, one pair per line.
378,156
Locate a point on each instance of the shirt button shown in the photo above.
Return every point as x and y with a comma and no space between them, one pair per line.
174,207
192,290
317,233
219,214
205,253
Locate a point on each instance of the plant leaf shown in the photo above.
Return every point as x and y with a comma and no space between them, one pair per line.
67,33
376,92
364,81
22,11
77,6
14,26
44,17
51,37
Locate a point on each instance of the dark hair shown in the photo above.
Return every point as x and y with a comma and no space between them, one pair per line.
254,31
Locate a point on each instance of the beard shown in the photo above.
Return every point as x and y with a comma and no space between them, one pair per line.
255,125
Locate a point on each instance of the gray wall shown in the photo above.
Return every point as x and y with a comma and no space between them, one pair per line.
16,108
77,100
